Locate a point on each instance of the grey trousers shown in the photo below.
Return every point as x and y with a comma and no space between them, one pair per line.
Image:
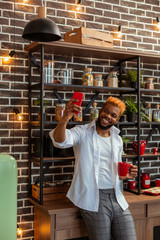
110,222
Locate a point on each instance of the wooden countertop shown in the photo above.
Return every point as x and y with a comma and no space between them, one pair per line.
62,205
132,198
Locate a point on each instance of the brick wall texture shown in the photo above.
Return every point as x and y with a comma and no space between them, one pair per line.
140,32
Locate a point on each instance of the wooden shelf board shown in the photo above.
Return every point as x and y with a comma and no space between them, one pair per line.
145,155
58,159
150,91
52,159
82,88
37,124
73,49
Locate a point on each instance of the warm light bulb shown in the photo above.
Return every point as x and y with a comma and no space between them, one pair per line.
158,22
6,59
79,7
158,25
119,35
19,231
25,1
19,117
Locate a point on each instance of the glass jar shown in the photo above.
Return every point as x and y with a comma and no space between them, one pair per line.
98,82
149,83
49,71
87,78
78,117
112,80
60,107
156,114
148,112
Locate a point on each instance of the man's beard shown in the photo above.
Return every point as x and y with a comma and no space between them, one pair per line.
102,127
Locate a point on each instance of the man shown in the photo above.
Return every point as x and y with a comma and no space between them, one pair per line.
95,185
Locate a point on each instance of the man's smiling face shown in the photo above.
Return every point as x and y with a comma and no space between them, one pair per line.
108,116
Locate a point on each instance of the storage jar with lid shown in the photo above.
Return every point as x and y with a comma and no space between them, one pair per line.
156,114
149,83
98,82
60,107
148,112
112,80
87,78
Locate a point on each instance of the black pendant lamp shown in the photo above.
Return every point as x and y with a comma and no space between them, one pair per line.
41,29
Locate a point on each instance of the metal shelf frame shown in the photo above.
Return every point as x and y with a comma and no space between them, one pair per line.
94,52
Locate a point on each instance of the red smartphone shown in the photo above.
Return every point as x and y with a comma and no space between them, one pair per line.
79,96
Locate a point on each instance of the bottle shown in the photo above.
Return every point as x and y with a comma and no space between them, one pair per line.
145,180
156,114
94,112
87,78
112,80
149,112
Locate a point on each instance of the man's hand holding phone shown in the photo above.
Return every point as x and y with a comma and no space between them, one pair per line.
72,107
78,97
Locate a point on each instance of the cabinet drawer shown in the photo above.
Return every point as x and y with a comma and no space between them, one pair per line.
68,220
70,233
138,211
153,210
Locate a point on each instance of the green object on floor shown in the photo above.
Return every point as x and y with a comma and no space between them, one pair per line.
8,197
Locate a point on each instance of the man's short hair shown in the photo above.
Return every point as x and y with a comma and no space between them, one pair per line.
116,102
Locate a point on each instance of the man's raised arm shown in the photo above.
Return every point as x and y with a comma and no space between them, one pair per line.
60,130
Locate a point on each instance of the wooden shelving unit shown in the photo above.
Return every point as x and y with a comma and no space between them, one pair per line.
71,49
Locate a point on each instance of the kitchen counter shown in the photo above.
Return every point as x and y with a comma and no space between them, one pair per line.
63,221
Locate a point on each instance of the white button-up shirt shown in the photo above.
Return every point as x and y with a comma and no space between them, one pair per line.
84,191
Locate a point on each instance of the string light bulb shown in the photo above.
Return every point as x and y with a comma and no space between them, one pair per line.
19,231
78,7
19,116
8,58
119,34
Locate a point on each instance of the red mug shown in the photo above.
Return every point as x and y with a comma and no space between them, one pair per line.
123,168
157,182
142,147
132,184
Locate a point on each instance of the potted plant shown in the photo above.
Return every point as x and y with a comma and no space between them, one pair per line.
131,77
125,140
45,104
131,110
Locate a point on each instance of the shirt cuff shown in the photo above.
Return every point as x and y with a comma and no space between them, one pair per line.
57,144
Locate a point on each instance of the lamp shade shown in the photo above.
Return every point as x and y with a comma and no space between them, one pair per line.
41,30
